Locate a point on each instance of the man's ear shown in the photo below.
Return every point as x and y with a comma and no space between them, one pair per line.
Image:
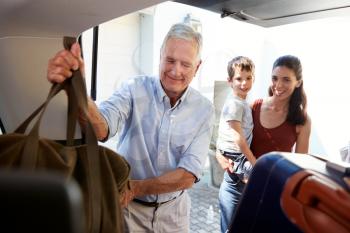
198,65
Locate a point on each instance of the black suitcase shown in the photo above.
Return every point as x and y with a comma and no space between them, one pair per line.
291,193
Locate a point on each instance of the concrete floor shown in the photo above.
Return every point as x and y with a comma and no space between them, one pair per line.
205,217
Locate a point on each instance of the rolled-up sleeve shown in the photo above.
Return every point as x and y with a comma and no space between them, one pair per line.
194,158
117,108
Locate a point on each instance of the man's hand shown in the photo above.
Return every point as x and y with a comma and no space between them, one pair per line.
60,68
175,180
128,195
61,65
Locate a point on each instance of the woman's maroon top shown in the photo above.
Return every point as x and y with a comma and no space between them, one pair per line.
280,138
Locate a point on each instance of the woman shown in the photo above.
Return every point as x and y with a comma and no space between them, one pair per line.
280,120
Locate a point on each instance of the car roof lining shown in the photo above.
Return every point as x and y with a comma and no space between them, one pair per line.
269,13
42,18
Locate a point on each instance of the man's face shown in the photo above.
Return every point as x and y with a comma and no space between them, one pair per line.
178,65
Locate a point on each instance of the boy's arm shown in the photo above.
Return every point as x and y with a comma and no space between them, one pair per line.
240,140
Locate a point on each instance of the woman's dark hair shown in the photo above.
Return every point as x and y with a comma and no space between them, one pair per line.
297,103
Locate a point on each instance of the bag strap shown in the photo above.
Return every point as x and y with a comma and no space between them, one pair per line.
72,114
78,89
55,89
33,135
94,180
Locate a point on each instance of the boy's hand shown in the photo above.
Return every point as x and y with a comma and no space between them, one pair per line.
230,168
225,163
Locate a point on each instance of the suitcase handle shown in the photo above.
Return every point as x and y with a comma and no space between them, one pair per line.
316,204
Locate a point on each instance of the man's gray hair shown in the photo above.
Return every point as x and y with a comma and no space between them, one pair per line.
186,32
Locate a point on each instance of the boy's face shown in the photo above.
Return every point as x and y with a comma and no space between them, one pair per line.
241,82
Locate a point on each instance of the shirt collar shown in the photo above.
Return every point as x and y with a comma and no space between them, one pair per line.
161,93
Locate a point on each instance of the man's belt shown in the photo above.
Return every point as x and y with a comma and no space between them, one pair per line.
154,203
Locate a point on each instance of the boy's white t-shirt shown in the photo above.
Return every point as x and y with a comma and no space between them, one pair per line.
237,109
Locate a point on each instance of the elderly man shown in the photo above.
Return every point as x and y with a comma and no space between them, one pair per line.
165,128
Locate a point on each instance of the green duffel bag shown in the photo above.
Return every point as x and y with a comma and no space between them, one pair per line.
101,173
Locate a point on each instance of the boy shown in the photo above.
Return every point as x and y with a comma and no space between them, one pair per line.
234,138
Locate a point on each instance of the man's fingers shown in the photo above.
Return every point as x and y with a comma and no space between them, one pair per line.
58,74
75,50
72,61
65,59
55,78
125,198
60,67
122,200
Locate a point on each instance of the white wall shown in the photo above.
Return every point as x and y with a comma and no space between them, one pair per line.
118,56
222,40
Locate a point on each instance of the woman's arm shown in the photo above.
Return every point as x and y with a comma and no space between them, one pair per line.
303,138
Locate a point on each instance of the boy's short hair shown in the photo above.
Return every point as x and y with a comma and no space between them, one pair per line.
244,63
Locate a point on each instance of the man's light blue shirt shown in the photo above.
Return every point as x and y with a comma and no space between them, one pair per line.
154,137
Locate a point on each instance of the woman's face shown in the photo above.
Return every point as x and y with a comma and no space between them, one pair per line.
284,82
